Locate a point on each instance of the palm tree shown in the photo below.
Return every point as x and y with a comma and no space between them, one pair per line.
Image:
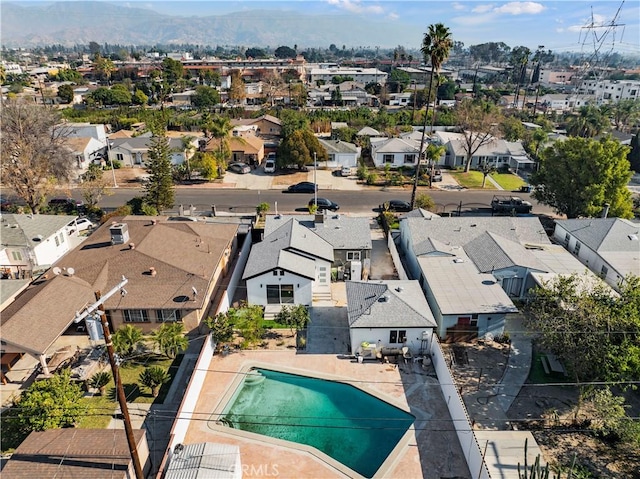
589,122
153,377
170,339
99,381
220,128
436,45
126,339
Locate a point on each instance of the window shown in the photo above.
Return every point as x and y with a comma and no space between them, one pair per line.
409,159
567,237
397,336
135,316
57,240
61,238
604,271
279,293
17,256
387,158
119,157
576,248
168,315
353,255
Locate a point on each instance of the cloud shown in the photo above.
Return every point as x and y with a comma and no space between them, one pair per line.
457,6
483,8
355,6
599,21
393,16
520,8
474,20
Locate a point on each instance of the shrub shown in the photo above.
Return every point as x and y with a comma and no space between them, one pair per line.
153,377
372,178
99,381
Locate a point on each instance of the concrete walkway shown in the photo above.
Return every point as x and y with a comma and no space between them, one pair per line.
494,183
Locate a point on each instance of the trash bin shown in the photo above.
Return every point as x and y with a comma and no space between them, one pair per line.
361,359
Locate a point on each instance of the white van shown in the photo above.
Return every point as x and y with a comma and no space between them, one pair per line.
270,164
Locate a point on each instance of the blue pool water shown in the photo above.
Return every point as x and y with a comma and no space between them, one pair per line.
347,424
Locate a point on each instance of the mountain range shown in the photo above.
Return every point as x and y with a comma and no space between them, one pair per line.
80,22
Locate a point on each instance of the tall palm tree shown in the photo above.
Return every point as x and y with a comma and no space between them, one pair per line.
220,128
436,45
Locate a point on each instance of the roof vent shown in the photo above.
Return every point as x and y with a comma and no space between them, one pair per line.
399,289
37,238
383,299
458,260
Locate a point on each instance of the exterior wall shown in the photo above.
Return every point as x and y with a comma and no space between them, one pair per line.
190,319
49,251
513,280
406,246
322,267
340,256
302,287
398,159
342,159
268,128
15,260
381,336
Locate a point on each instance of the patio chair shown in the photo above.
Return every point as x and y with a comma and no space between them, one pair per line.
406,354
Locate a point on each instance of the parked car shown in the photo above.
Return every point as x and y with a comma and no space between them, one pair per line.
240,168
65,204
437,176
270,165
81,224
324,204
395,206
344,171
302,187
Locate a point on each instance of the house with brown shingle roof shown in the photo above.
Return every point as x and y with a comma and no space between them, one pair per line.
173,270
72,452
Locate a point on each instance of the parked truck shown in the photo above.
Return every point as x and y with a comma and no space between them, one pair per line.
510,205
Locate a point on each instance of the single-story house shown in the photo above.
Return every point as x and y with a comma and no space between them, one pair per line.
73,452
85,150
173,270
32,243
471,267
388,314
134,151
350,238
610,247
267,126
396,152
340,153
289,266
246,148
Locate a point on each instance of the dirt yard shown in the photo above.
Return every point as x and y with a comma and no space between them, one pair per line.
547,411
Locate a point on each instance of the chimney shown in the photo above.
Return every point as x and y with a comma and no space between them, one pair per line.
605,210
152,271
132,246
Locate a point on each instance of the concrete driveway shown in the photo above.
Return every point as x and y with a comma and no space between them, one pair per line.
328,331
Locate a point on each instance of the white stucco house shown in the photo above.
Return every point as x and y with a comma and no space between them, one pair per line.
610,247
388,314
396,152
32,243
289,266
133,152
84,150
340,153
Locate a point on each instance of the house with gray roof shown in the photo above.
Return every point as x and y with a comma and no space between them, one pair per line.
340,153
350,238
133,152
470,268
388,314
396,152
32,243
610,247
289,266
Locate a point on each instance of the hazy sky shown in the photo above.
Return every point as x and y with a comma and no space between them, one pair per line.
558,25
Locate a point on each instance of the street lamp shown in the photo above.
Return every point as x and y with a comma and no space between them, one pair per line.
315,181
113,170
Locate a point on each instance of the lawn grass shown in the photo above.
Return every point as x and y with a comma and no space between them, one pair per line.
508,181
472,180
537,375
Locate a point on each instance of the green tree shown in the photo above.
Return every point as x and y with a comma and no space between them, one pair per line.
159,188
170,339
34,153
172,70
399,80
103,67
50,404
593,332
65,93
436,45
519,61
512,128
255,53
205,97
589,122
126,340
153,377
237,93
248,320
578,176
221,326
206,165
624,113
99,381
285,52
608,417
139,98
425,202
295,317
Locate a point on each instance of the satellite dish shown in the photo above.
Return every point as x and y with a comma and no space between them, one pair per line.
70,271
57,271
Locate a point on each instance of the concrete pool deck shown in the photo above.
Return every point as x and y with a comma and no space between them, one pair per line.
430,449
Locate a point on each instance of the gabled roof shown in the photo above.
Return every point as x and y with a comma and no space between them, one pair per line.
368,131
77,144
291,247
73,452
456,232
338,146
30,230
399,145
142,143
490,252
387,304
340,231
604,234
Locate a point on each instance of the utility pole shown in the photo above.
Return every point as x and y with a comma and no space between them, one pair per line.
98,307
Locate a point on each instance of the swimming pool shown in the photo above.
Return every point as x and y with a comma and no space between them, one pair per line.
340,420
